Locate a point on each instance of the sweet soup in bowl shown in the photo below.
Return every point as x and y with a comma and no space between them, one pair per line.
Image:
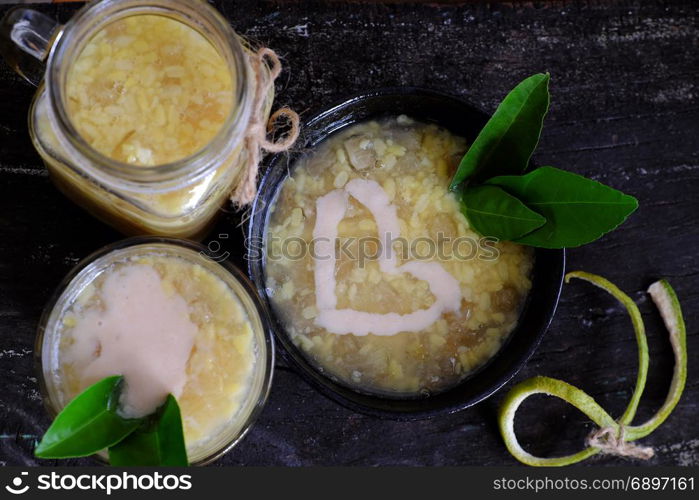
170,321
374,272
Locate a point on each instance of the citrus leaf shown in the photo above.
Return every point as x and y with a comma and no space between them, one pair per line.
88,424
506,143
159,442
493,212
577,210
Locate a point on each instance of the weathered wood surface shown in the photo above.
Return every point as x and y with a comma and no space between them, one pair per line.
625,111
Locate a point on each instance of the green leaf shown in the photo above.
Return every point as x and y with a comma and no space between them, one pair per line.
493,212
160,442
507,141
88,424
577,210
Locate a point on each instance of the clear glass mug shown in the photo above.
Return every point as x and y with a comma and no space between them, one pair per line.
177,199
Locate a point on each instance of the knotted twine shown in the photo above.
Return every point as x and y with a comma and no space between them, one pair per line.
611,442
266,67
613,436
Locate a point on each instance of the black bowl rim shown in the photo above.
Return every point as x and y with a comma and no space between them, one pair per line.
302,366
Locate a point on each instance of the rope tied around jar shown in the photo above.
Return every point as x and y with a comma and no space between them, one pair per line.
266,68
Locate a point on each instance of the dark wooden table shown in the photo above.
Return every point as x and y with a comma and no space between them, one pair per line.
625,111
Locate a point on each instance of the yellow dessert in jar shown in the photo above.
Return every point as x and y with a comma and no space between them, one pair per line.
374,271
169,325
148,90
145,123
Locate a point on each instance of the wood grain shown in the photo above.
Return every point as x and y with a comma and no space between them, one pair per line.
625,107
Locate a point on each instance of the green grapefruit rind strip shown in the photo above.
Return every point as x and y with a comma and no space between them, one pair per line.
639,330
552,387
669,307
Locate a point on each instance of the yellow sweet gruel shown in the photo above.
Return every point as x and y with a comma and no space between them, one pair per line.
613,436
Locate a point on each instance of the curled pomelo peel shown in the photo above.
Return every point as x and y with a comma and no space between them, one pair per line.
613,436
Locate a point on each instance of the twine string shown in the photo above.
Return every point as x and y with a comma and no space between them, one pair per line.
615,437
266,67
612,441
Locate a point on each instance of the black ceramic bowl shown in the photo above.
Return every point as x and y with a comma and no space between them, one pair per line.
462,119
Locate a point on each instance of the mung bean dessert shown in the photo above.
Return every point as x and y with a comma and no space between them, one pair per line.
407,318
168,325
149,90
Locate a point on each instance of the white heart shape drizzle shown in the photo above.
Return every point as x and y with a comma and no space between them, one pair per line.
330,210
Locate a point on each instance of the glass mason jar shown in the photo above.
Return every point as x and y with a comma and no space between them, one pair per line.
179,198
53,333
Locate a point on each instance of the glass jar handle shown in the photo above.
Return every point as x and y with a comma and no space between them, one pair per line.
26,37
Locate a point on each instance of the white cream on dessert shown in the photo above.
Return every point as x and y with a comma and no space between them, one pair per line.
171,322
331,209
141,332
395,293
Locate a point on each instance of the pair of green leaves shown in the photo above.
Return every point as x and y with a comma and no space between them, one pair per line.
90,423
546,207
